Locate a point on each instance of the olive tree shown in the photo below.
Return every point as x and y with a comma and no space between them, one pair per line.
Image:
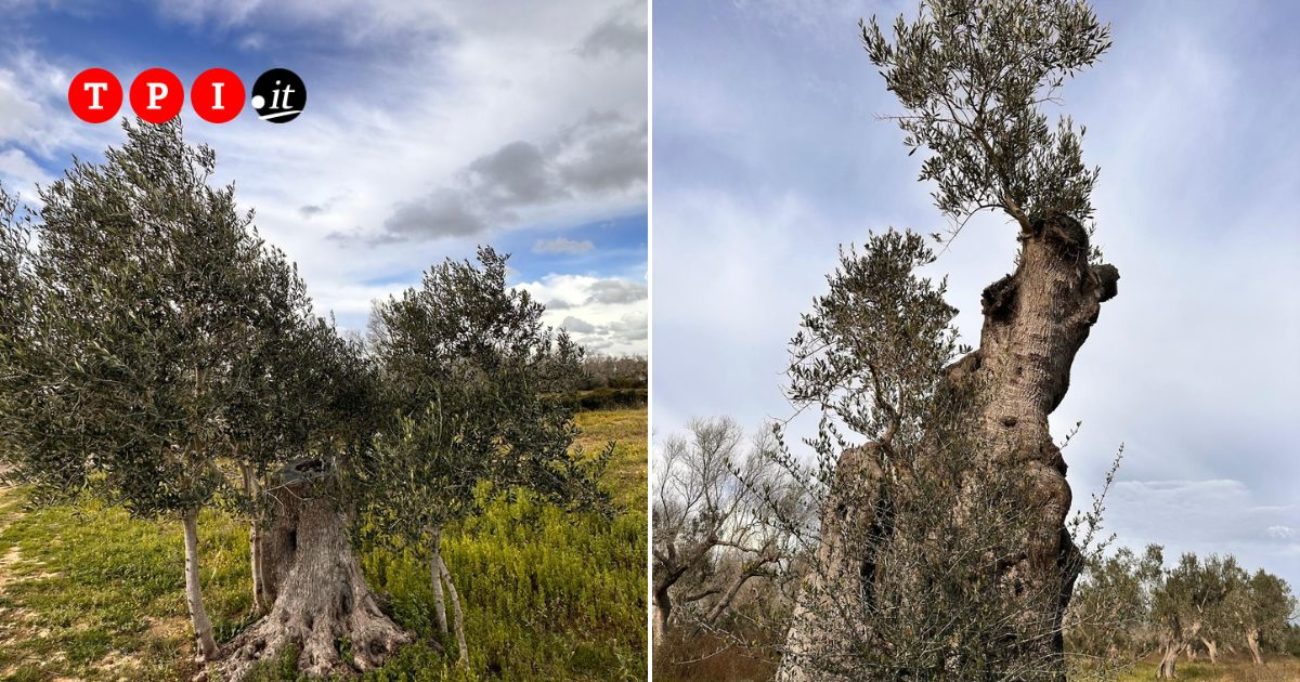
284,409
972,77
472,383
1107,621
138,287
153,343
319,598
1187,597
907,576
1262,605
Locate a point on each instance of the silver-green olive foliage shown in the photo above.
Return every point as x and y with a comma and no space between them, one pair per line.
475,385
973,76
873,350
153,334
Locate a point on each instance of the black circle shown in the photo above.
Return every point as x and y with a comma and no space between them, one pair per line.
279,95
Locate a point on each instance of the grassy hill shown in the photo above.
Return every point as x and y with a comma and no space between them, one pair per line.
88,593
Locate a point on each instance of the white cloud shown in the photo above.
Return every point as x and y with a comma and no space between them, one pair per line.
418,92
33,106
1281,532
577,325
20,173
1206,516
562,245
613,326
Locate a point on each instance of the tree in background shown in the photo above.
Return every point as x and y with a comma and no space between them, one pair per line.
1107,623
615,372
1185,598
714,527
1262,606
1127,606
473,380
1216,579
874,357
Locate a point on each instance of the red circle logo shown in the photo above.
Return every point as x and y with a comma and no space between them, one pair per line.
217,95
95,95
157,95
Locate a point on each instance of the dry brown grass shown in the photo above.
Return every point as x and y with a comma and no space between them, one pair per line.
688,657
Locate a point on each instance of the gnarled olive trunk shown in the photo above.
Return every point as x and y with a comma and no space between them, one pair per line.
827,617
1212,647
1168,661
1035,320
1252,642
319,597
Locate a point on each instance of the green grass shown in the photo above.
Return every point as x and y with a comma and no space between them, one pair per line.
1278,668
87,592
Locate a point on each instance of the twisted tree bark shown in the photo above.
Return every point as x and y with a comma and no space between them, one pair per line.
318,594
1168,668
1035,321
1252,642
1212,647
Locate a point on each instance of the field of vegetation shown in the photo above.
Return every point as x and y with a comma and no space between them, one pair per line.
1282,668
88,593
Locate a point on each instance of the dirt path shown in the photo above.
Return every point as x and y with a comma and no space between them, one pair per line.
9,556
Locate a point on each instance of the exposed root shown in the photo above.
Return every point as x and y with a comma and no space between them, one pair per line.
323,608
369,638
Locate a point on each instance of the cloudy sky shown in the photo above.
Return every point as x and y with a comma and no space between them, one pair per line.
430,127
768,155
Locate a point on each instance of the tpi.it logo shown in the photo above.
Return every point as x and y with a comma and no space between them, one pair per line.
217,95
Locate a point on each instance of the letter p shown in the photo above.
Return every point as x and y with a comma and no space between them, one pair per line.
157,93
